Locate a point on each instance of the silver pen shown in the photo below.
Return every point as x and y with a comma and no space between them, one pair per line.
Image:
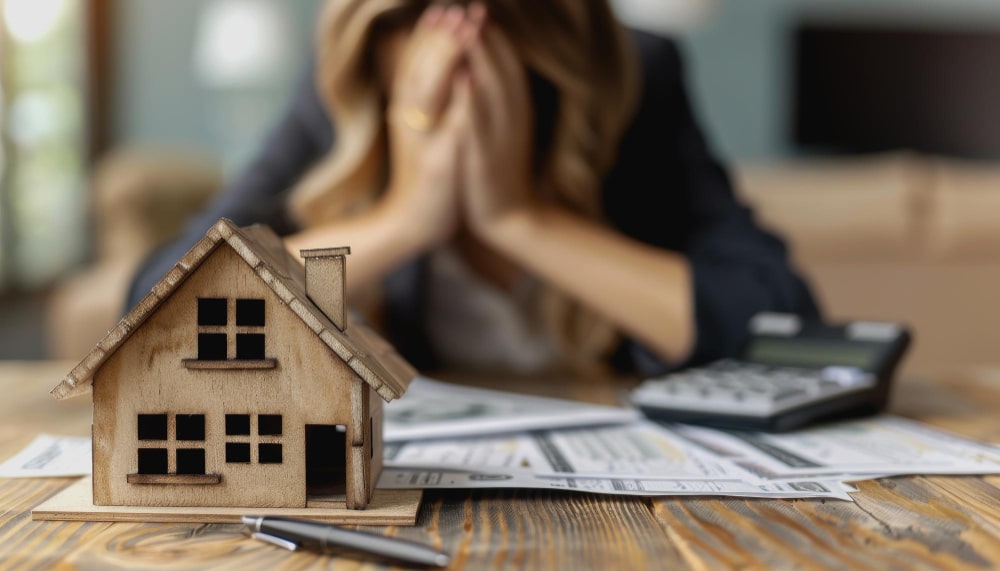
294,533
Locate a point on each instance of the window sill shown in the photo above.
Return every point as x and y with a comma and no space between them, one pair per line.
230,364
183,479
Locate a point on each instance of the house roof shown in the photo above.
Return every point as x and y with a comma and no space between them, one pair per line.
364,351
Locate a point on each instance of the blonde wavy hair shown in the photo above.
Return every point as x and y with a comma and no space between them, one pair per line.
575,47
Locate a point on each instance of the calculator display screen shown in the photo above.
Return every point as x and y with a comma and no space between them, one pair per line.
812,354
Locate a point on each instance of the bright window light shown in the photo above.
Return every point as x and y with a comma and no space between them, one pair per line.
242,43
29,21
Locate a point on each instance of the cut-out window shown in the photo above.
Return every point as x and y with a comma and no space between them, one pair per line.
190,460
152,460
263,439
212,346
152,427
268,453
237,424
250,346
223,338
238,452
185,428
269,424
190,426
212,311
250,312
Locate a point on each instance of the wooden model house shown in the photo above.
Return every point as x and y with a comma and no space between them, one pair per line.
240,381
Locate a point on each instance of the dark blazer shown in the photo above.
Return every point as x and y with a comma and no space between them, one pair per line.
667,189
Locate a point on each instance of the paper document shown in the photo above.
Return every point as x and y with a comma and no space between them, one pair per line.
50,456
881,446
433,409
638,450
400,478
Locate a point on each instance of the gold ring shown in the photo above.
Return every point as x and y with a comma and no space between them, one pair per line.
416,119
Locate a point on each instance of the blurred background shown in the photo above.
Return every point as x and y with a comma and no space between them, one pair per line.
862,130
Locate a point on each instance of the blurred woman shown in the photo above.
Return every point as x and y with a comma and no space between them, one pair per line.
523,186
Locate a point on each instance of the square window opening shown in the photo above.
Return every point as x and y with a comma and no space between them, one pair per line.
152,460
237,425
250,312
190,460
212,311
152,427
238,452
190,427
212,346
269,425
250,346
269,453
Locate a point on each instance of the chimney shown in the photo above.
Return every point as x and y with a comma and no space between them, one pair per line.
326,282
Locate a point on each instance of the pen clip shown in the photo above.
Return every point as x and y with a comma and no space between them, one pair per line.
275,540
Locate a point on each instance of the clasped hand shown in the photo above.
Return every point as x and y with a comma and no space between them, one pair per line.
460,126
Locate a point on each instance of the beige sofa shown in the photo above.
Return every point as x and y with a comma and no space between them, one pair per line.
899,237
140,198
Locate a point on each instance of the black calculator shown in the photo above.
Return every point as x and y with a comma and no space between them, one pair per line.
792,373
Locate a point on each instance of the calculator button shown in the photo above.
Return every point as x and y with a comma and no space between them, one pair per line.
847,376
828,385
747,389
788,394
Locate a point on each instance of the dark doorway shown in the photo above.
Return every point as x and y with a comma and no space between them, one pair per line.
326,460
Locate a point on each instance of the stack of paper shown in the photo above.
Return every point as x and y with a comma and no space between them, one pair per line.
432,409
447,436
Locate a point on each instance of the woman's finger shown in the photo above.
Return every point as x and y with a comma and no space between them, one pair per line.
477,16
488,86
437,51
459,112
429,18
438,34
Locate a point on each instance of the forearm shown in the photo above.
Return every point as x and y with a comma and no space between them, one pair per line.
646,291
379,242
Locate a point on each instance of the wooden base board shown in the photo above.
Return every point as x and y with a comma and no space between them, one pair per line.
76,503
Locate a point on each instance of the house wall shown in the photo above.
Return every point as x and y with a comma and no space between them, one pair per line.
310,385
365,456
376,423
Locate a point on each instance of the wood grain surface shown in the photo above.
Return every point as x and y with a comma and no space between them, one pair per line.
76,503
909,523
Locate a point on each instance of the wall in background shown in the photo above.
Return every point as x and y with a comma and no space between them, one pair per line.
161,101
739,61
738,66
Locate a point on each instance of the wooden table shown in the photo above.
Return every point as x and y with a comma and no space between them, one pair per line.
897,523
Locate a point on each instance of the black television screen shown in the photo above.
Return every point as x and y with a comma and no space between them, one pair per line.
867,89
